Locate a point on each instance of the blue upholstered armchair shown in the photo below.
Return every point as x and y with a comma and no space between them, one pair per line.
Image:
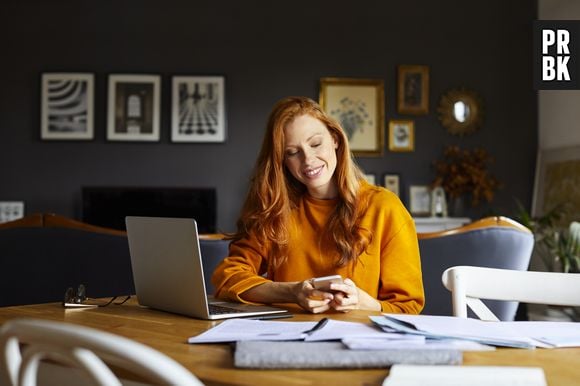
495,242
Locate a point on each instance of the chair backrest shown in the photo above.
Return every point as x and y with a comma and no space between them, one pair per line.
25,343
39,262
495,242
30,221
213,251
470,284
42,255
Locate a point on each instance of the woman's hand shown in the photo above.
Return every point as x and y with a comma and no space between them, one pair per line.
341,297
348,297
311,299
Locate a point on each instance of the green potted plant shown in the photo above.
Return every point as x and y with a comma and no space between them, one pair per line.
558,246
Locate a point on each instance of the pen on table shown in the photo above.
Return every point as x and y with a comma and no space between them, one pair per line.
318,326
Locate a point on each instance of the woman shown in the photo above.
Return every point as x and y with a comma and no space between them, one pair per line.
309,213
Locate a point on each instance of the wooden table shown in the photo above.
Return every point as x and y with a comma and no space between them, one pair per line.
212,363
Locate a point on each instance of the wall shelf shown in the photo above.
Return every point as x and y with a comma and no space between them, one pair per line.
436,224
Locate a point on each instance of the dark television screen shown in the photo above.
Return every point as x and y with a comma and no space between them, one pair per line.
108,206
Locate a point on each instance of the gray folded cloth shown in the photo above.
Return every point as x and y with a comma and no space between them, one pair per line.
312,355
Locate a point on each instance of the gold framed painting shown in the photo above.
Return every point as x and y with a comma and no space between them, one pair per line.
413,89
557,183
401,135
358,105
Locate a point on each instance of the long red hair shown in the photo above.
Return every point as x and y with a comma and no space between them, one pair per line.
274,192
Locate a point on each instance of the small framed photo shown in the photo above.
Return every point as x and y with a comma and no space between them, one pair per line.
11,210
133,109
67,107
419,200
391,182
198,109
370,178
401,135
358,105
413,89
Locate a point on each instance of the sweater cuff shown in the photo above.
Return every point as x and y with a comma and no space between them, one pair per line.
237,289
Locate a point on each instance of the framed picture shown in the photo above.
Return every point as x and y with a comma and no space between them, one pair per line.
419,200
357,104
11,210
413,89
198,109
557,183
133,110
370,178
67,107
391,182
401,135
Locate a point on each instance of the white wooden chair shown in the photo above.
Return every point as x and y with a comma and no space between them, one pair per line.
25,343
469,284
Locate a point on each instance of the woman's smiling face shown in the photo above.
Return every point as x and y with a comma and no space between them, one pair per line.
310,155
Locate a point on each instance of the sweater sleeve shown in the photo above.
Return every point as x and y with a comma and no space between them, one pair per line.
241,270
401,282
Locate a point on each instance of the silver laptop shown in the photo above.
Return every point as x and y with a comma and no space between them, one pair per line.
168,271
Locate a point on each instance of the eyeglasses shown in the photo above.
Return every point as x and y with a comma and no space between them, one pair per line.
79,299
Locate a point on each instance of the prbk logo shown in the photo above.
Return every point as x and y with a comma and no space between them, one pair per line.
556,55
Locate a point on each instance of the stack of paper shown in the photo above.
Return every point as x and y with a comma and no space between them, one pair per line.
306,345
235,330
509,334
354,336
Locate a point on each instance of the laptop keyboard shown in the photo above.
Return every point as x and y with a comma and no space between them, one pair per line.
214,309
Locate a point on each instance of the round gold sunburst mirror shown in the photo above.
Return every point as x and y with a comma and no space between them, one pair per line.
460,111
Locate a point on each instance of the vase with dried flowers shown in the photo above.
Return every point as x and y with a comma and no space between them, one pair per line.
462,173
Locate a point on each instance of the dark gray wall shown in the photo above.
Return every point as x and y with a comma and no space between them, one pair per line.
266,50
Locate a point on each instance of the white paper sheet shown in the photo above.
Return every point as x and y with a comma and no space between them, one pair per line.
414,375
233,330
450,327
417,343
533,334
556,334
337,330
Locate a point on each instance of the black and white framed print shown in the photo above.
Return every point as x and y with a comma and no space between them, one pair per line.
133,108
67,108
419,200
198,109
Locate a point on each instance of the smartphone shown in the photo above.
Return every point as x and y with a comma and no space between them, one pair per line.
323,283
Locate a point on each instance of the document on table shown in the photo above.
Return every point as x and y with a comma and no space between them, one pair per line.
233,330
419,375
419,343
555,334
449,327
510,334
337,330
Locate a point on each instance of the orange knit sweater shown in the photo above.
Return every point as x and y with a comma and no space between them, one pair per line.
389,270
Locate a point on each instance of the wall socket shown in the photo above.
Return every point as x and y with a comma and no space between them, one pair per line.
11,210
